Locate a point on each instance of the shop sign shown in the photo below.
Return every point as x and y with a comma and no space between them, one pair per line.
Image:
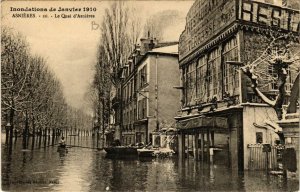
208,18
203,122
270,15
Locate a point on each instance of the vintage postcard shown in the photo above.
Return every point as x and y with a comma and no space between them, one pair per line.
178,95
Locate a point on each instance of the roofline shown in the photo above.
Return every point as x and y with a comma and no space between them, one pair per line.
161,53
155,53
144,57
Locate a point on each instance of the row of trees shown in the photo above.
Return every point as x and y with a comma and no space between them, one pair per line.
119,30
32,98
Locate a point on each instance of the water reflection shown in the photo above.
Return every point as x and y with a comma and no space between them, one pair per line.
83,169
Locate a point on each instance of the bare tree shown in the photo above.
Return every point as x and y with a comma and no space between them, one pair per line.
115,39
134,28
14,71
280,56
102,86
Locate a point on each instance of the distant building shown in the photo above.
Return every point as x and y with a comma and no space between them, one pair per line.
221,115
149,100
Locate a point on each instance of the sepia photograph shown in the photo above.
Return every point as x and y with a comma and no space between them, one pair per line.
150,95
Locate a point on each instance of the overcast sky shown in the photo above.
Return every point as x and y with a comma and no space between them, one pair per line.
70,45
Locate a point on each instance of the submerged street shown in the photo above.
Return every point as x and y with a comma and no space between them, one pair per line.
194,95
84,169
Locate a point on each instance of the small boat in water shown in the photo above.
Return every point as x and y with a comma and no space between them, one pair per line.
145,152
121,150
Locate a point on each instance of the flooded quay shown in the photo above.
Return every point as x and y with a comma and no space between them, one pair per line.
84,168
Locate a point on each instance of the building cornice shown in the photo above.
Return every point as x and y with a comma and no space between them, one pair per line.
227,33
209,113
211,43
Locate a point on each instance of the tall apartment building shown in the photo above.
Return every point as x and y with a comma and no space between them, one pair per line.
149,99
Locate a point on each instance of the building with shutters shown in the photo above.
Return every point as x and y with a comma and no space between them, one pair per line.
149,99
221,117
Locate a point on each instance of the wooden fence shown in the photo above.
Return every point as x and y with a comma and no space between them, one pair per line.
258,158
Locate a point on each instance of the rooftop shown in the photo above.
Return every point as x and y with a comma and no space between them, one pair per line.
172,49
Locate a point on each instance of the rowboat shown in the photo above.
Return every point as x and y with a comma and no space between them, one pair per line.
145,152
121,150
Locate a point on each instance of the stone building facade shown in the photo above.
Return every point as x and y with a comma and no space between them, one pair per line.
220,113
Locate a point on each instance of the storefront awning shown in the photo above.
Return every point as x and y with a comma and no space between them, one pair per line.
203,122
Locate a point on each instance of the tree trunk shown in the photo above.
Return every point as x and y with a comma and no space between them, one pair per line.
103,121
49,132
11,120
40,137
45,137
53,136
16,136
25,132
97,139
33,132
6,134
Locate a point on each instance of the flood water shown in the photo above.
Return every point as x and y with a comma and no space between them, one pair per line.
83,169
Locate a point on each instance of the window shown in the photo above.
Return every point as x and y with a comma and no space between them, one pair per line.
139,109
213,70
289,140
129,117
142,108
191,83
124,117
129,91
259,137
132,88
124,94
184,69
230,75
201,82
138,137
134,114
273,77
135,84
143,76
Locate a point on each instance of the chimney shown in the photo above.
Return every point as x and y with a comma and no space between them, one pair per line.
147,45
151,44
